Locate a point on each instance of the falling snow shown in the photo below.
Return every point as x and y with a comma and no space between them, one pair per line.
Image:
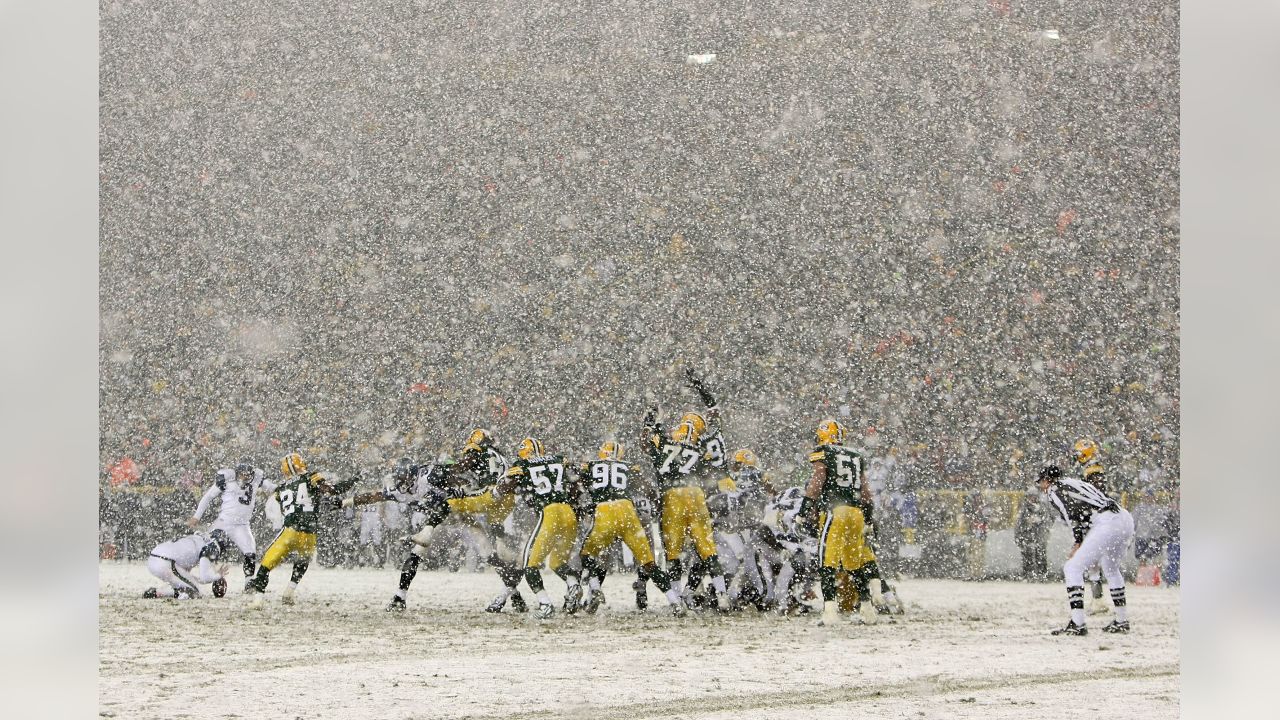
926,218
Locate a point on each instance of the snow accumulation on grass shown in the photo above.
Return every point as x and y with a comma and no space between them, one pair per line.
964,650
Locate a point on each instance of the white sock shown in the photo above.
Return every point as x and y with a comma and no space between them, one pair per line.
1077,616
673,597
401,593
718,582
1118,602
507,592
594,584
677,586
543,597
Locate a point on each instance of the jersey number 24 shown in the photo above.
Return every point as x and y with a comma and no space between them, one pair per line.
290,501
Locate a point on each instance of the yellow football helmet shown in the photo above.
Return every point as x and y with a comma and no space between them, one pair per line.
292,464
1086,451
830,432
746,458
479,439
530,448
690,428
610,451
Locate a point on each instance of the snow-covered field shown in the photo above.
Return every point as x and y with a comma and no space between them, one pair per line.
965,650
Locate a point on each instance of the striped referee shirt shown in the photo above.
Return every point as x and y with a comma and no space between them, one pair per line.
1077,501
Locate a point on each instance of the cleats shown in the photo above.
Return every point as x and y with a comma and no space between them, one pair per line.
518,604
1072,629
150,593
867,612
497,604
396,604
1116,627
544,611
572,599
642,594
679,610
220,587
830,614
593,602
286,598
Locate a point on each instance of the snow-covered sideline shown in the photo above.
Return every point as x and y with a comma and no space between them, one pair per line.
965,650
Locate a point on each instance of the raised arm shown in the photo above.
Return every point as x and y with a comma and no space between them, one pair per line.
713,410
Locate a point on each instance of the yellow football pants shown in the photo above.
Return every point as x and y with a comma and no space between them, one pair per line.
493,509
841,543
552,537
617,520
288,541
684,514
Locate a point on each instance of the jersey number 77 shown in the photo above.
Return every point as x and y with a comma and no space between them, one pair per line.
688,458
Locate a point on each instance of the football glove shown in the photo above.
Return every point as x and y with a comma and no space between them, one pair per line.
696,383
651,420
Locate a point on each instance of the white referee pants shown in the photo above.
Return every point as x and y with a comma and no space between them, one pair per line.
177,578
1104,545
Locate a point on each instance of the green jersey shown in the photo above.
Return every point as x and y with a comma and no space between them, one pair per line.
606,480
299,502
676,464
846,471
543,479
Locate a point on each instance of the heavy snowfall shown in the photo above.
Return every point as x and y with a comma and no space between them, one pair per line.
359,229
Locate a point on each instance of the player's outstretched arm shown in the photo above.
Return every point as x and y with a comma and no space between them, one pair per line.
695,382
203,506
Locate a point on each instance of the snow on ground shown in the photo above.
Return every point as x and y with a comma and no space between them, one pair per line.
965,650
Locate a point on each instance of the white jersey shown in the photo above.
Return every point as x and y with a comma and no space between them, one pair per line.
237,501
783,513
185,552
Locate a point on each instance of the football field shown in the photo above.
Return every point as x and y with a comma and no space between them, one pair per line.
964,650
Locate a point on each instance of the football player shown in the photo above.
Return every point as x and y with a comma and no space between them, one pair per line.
788,553
1089,463
543,478
681,467
237,490
838,489
422,489
369,541
485,515
736,511
184,562
608,481
300,492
